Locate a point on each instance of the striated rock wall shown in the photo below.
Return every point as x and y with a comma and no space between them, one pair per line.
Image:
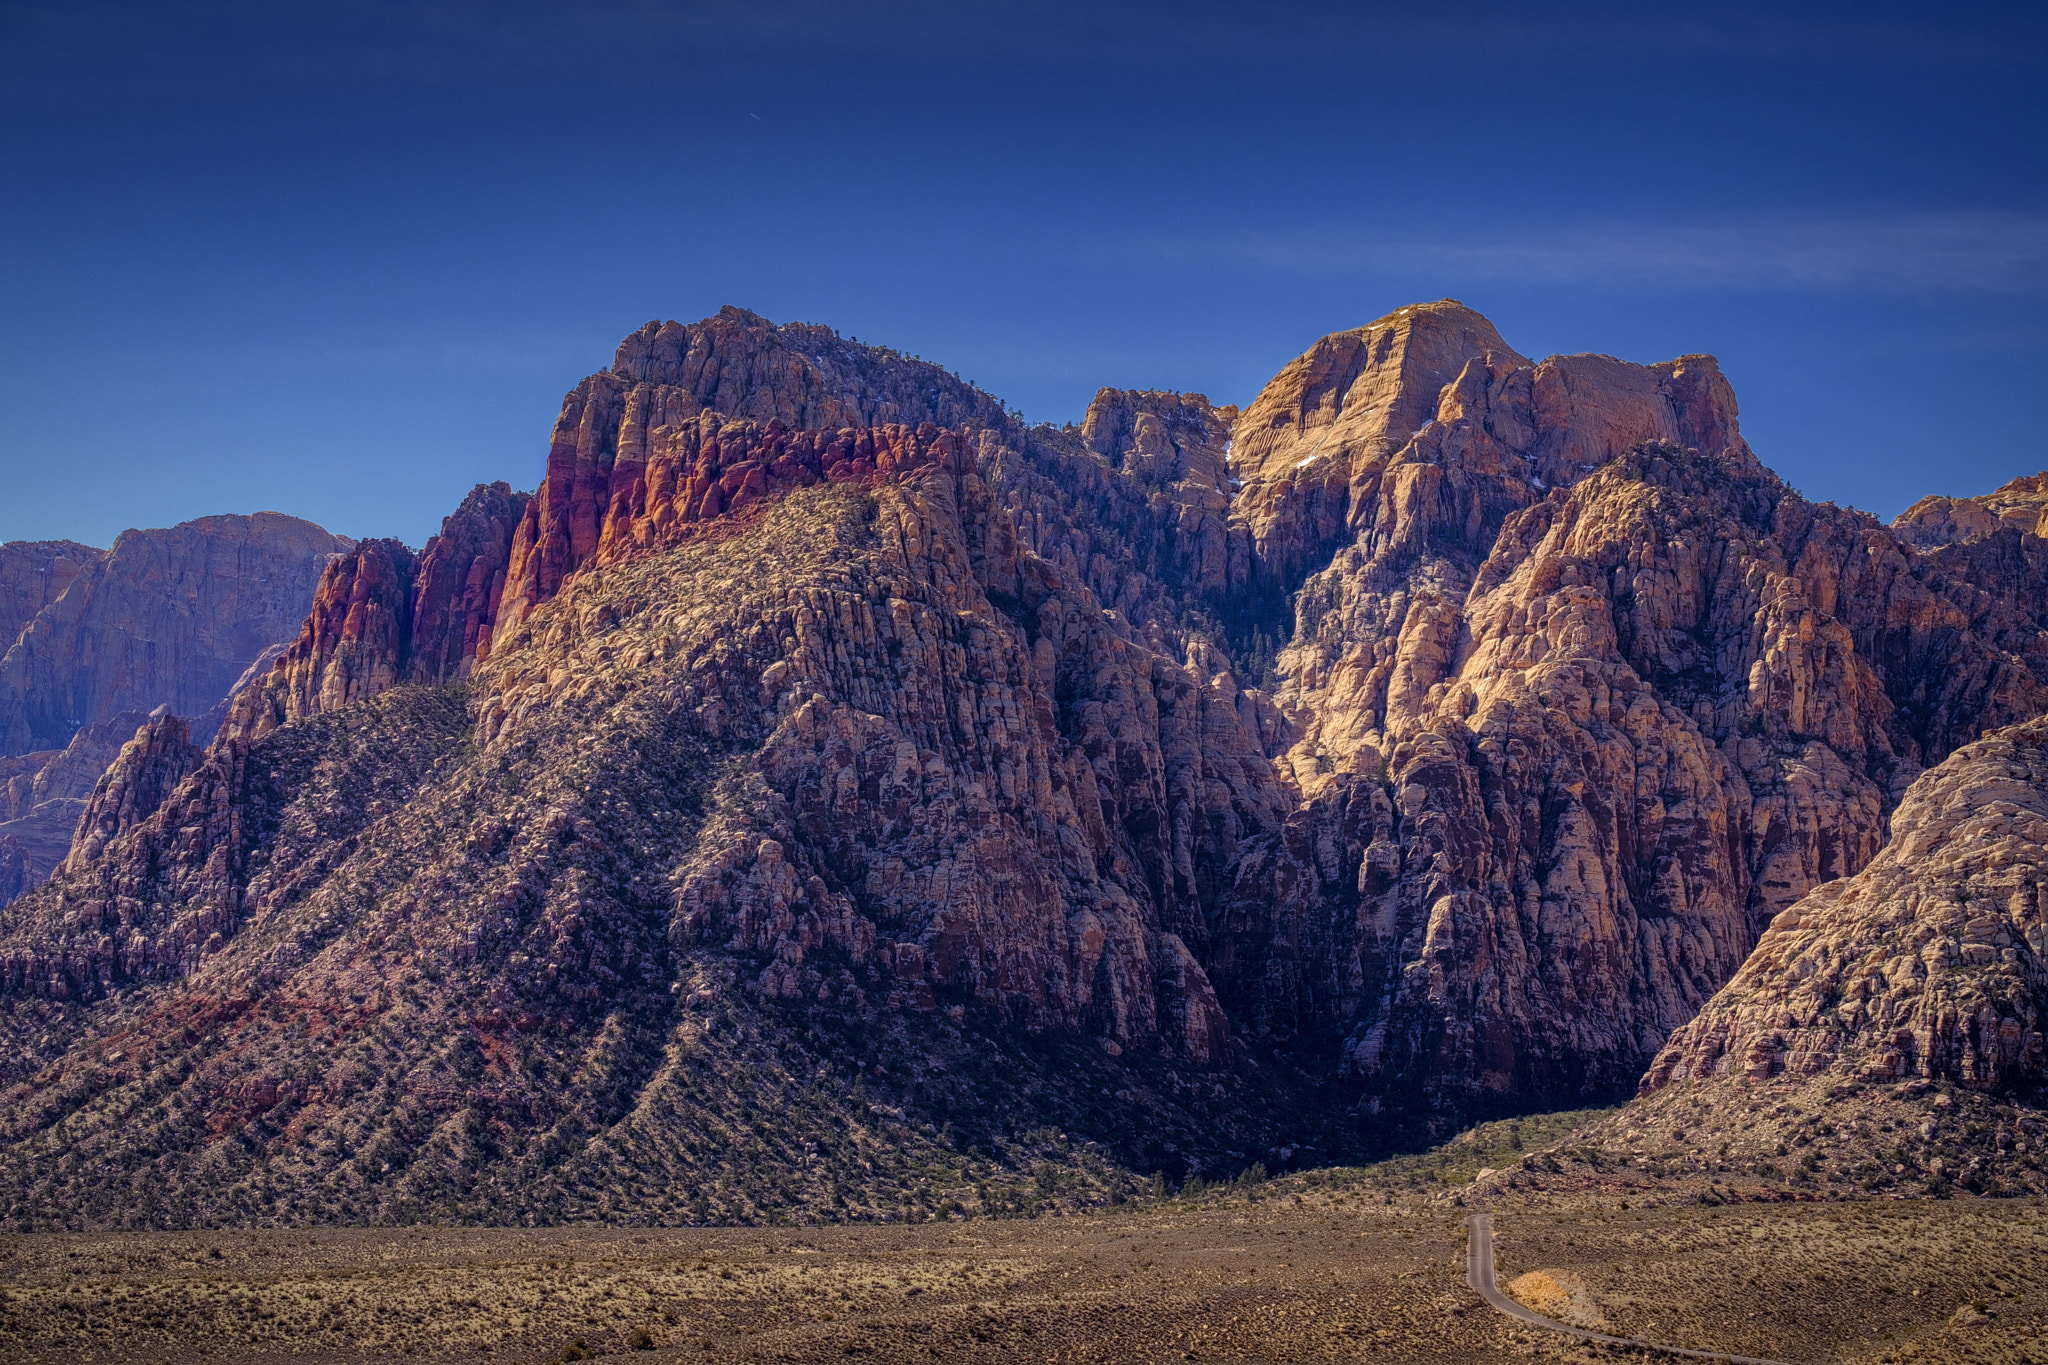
33,574
167,617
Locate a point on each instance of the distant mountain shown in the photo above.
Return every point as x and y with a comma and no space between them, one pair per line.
825,777
167,617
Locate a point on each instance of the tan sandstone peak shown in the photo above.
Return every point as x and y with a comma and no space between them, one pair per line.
1427,421
2021,505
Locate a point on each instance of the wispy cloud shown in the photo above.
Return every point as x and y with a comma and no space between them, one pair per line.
1969,252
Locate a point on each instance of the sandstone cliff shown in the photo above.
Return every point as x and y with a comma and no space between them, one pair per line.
1439,733
1936,521
166,617
1931,962
1587,697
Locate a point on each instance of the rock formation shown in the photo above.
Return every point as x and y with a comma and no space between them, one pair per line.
1931,962
145,772
33,574
15,876
1885,1035
43,794
1439,733
166,617
1936,521
1588,697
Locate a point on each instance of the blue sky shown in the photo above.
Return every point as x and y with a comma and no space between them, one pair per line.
342,260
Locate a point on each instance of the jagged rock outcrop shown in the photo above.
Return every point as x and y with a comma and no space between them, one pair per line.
33,574
1438,734
167,617
460,582
43,794
1931,962
383,615
1936,521
146,771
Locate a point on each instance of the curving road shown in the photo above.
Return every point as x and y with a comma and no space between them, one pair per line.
1479,1274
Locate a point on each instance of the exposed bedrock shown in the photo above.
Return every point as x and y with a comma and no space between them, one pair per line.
1440,732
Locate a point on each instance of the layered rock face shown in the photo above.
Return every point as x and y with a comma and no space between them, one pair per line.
35,573
1440,732
1932,962
167,617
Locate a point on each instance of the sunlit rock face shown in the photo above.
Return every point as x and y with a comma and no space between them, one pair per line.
1439,732
1930,963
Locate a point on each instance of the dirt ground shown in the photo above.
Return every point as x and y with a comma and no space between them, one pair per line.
1321,1266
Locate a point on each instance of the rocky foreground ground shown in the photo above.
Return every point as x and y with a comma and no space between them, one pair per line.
1337,1265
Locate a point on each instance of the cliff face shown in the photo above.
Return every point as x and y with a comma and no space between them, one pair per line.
35,573
1440,732
1932,962
167,617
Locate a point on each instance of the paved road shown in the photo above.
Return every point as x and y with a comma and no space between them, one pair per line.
1479,1274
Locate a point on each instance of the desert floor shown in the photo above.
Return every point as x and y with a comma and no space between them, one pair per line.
1347,1265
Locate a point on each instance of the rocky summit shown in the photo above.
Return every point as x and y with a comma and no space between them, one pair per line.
828,795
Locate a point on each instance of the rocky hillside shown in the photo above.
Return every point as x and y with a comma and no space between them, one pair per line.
824,778
1888,1031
